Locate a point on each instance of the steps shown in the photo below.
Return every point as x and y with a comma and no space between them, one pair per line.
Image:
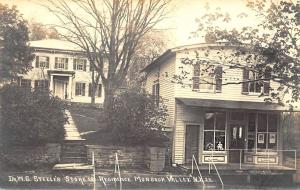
74,152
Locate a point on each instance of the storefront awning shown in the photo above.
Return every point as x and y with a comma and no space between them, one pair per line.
228,104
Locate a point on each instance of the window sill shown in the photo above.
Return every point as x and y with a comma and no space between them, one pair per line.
212,152
207,91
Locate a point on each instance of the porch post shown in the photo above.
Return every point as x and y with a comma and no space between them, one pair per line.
70,88
51,83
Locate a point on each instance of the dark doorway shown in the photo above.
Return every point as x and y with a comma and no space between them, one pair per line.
237,142
191,142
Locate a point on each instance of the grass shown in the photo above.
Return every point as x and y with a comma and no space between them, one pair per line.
85,118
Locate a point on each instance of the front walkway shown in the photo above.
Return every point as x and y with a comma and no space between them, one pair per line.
71,129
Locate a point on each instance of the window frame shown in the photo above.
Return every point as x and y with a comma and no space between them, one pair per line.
258,78
214,131
156,91
59,63
266,133
80,89
98,92
216,80
43,86
44,63
79,64
23,81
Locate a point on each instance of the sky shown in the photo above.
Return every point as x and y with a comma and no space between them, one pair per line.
178,26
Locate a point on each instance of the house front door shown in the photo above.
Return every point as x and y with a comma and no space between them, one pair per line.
191,143
60,88
236,143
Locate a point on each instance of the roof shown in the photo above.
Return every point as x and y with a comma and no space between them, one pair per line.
170,52
54,44
230,104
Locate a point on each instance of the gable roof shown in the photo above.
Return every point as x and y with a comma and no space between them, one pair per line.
54,44
171,52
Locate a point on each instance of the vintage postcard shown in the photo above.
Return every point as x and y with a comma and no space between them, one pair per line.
149,94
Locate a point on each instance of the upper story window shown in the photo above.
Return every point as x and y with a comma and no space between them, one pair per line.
155,92
42,62
80,89
79,64
208,79
256,82
41,84
61,63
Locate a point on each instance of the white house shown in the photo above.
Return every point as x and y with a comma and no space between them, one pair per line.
63,68
226,124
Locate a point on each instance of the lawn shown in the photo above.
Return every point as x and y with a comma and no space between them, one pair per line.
85,118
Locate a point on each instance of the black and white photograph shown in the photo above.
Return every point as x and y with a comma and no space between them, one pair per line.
149,94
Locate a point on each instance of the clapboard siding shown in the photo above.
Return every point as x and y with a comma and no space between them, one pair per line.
163,74
231,92
184,115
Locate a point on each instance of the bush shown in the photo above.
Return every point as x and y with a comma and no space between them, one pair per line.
30,117
135,118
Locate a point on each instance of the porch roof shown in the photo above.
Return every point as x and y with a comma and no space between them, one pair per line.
234,104
61,72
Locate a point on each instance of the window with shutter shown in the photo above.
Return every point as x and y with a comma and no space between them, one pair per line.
196,81
42,62
80,89
218,76
61,63
256,82
79,64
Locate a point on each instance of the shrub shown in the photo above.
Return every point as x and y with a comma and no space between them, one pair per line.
30,117
135,118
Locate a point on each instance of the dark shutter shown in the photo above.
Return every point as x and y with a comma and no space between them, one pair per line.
66,64
37,62
153,90
74,64
196,81
99,90
219,73
84,65
56,64
90,90
245,78
47,64
267,81
83,89
46,84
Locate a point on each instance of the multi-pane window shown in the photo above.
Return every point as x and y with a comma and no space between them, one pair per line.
98,90
42,62
25,83
263,126
61,63
208,79
155,92
79,64
256,82
41,84
214,131
80,89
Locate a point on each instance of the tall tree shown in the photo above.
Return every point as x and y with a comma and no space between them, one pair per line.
38,31
151,46
271,45
109,31
15,54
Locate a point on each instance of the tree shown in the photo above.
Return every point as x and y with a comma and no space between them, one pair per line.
15,55
109,32
150,47
39,31
272,45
